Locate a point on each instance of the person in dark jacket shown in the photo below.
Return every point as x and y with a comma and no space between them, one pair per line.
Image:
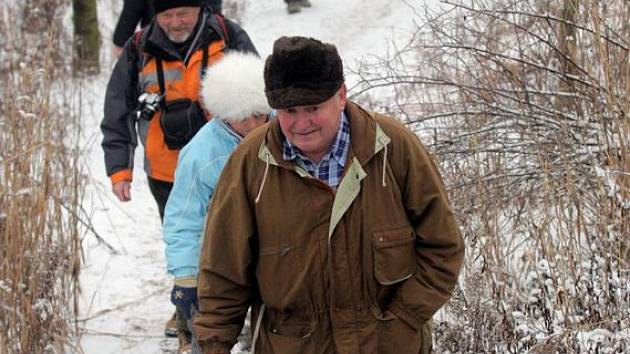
295,6
153,93
140,12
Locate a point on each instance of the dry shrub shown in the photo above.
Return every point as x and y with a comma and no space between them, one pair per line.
525,105
40,190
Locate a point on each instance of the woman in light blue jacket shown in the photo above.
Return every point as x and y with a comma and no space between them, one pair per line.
233,90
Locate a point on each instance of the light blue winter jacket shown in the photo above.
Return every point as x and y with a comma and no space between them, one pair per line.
198,169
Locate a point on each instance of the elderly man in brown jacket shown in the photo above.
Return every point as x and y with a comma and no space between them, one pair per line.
331,222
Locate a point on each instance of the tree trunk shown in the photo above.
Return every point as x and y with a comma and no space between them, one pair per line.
568,52
87,39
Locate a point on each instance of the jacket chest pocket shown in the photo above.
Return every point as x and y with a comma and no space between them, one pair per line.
394,255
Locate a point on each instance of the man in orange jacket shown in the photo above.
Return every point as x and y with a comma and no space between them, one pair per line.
153,91
140,12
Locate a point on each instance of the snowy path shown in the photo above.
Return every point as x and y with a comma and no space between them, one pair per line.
124,300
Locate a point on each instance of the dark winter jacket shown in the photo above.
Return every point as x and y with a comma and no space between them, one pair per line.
359,270
135,72
135,11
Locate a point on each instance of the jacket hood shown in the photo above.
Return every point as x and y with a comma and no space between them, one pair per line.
233,89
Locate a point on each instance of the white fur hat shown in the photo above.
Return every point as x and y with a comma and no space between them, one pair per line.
233,89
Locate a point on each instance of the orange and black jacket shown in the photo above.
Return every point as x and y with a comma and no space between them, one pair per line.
135,73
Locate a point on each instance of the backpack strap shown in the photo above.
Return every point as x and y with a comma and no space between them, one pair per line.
134,59
136,38
221,21
204,60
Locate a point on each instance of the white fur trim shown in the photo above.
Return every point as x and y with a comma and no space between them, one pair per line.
234,88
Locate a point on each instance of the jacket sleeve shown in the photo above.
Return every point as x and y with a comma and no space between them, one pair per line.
119,130
186,208
439,244
225,270
132,13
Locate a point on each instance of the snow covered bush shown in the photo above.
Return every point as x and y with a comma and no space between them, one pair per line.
526,106
40,182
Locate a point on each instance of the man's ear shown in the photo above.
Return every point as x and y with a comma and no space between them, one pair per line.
343,91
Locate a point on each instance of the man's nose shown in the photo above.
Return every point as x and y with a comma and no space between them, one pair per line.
176,22
301,121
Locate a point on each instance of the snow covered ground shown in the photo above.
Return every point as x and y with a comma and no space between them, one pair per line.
125,289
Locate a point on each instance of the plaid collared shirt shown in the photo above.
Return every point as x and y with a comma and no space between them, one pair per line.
330,168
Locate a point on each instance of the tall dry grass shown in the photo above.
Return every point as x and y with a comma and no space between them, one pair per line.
526,105
40,182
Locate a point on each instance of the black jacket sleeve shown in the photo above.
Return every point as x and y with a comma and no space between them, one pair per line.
119,132
133,11
238,39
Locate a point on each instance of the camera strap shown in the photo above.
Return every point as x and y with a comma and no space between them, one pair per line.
181,118
160,77
160,71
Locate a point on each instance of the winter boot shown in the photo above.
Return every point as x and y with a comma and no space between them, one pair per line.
293,7
185,344
170,329
304,3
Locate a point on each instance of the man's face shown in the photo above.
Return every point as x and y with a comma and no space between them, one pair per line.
312,129
179,22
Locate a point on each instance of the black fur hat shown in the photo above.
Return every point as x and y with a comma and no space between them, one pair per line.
302,71
162,5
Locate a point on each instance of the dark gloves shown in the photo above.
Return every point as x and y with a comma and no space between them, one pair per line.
184,296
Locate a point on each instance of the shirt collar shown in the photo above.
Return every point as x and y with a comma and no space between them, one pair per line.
337,150
230,130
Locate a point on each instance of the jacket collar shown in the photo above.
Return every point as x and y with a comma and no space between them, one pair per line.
366,136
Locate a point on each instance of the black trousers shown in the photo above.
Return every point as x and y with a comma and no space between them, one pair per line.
160,191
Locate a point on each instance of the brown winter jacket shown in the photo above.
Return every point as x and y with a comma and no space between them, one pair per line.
361,270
